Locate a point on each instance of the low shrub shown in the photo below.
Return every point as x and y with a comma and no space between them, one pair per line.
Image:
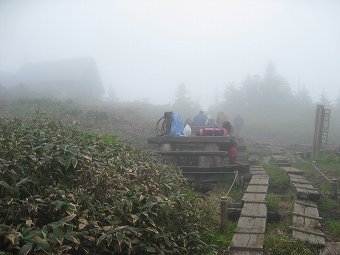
334,226
65,191
272,202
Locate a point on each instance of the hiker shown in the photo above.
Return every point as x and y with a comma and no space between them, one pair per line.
177,125
227,125
238,123
211,123
199,119
232,152
221,118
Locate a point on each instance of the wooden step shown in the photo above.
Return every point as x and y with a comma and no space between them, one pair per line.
308,194
258,172
303,186
306,223
254,210
257,189
259,181
252,242
254,197
296,176
299,180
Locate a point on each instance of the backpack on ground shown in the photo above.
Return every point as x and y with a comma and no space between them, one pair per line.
170,124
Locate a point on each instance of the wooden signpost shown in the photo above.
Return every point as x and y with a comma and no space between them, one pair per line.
321,129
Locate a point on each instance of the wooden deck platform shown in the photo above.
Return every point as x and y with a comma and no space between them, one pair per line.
249,234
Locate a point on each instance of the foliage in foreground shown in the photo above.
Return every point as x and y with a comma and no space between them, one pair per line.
63,191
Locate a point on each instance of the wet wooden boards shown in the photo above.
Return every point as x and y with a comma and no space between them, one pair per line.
306,220
306,223
249,233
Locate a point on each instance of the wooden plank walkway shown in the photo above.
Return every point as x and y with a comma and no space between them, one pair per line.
304,189
277,159
306,220
306,223
249,234
292,170
331,248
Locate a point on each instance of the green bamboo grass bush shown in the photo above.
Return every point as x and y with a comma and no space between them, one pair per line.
65,191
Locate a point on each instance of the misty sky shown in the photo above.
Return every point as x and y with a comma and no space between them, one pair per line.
145,49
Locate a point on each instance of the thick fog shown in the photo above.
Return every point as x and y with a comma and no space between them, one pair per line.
145,49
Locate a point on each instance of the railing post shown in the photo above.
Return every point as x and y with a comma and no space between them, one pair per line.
224,215
334,189
242,181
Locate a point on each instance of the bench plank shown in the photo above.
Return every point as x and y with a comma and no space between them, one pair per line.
188,139
193,153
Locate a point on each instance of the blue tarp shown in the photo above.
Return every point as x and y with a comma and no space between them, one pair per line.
177,125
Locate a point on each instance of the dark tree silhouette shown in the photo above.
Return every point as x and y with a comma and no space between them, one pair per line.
324,100
183,104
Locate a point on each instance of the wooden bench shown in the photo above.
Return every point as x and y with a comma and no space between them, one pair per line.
193,153
207,148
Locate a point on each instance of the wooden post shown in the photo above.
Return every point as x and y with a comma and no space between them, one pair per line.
242,182
224,215
334,189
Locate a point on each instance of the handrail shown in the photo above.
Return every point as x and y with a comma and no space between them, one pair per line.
224,202
317,169
236,175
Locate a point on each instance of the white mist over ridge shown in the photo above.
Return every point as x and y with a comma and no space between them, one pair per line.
145,49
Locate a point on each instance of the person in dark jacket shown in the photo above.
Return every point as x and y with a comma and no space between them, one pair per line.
199,119
238,123
227,125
